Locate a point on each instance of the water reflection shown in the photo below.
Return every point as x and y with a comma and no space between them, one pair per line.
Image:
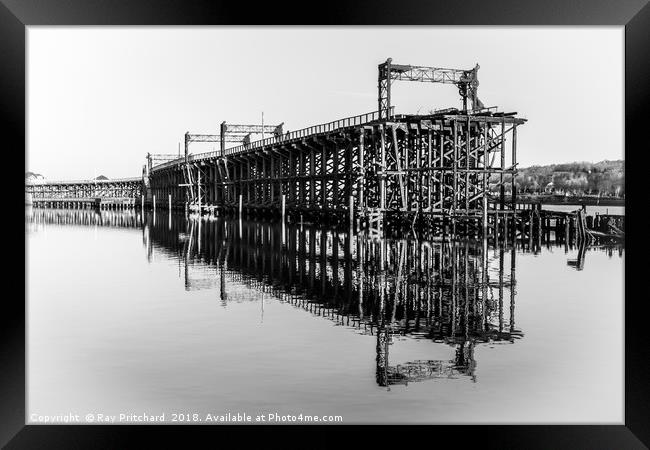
37,217
461,294
458,294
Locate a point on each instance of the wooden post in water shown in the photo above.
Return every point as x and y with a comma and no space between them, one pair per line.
241,204
154,204
566,229
198,190
539,226
170,211
283,200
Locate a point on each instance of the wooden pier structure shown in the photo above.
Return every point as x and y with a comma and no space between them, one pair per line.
441,173
367,170
122,193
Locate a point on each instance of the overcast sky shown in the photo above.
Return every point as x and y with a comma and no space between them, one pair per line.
100,98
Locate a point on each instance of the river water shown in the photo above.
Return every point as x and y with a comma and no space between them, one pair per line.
183,318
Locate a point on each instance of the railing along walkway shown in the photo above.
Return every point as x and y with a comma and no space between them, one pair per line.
352,121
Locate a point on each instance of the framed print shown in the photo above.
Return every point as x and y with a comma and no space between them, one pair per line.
411,214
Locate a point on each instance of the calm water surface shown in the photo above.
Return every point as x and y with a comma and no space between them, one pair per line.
127,314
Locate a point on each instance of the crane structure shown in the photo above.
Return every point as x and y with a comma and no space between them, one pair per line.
466,80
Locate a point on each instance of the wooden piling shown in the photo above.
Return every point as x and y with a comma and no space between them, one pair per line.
198,190
485,216
566,229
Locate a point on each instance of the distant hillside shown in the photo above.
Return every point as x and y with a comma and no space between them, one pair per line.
577,178
101,177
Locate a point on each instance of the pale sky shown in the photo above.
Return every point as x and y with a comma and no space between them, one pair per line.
100,98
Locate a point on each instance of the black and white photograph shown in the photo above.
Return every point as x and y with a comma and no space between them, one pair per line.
325,225
400,236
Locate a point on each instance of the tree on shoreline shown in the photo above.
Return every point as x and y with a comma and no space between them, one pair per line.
606,178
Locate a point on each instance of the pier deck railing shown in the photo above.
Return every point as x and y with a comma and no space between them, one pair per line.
314,130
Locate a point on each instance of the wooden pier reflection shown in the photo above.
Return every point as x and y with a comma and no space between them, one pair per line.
457,293
95,217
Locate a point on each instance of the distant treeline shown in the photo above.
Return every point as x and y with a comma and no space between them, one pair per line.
577,178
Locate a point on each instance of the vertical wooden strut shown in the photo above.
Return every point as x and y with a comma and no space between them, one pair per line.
503,162
198,189
351,211
382,175
485,177
514,166
455,170
400,173
362,169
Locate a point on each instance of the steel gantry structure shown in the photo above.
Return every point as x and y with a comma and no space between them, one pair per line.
372,168
466,80
232,133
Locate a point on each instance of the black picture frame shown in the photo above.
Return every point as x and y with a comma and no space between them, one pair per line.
15,15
